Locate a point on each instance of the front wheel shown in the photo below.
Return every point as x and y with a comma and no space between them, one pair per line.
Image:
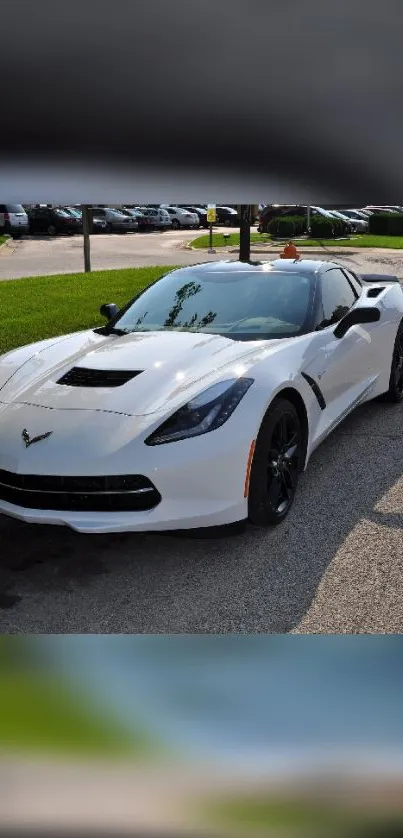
175,224
395,392
276,465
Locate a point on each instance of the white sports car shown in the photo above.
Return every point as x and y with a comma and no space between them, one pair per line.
200,402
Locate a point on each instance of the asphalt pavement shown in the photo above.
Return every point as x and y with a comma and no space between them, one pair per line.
41,256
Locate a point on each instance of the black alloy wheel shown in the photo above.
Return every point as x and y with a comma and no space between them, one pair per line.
276,465
395,392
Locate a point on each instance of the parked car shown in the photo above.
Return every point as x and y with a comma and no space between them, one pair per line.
353,225
347,227
384,210
53,220
97,225
273,364
159,218
358,219
117,221
144,222
201,212
13,220
181,217
355,214
227,216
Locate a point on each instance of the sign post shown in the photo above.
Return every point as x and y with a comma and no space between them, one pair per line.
86,234
308,220
211,219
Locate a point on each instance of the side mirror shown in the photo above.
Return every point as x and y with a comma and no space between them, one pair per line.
109,310
356,317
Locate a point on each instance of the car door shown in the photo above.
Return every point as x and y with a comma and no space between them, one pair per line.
346,361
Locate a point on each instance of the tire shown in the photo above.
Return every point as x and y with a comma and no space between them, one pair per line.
51,230
175,224
109,228
395,392
276,465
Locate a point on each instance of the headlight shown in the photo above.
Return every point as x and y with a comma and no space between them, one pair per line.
204,413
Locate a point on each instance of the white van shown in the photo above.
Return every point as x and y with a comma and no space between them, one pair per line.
13,220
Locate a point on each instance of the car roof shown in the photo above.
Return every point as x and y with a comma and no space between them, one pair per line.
312,266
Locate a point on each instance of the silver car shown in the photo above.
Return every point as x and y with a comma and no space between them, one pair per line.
13,220
181,218
160,218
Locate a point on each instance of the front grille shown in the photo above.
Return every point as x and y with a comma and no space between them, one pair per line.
115,493
82,377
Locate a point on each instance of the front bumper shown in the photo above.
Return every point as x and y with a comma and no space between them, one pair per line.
199,482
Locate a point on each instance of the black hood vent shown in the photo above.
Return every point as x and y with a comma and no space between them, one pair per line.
82,377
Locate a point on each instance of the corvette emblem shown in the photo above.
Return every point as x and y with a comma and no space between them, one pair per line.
30,441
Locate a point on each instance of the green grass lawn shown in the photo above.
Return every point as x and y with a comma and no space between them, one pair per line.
395,242
2,239
219,240
41,307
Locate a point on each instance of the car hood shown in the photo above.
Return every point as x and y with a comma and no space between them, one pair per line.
171,367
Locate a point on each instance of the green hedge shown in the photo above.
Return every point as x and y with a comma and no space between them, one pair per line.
287,226
293,226
327,228
386,225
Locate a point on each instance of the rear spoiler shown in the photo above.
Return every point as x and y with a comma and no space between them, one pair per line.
379,278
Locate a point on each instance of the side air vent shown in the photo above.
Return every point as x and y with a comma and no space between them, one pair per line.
316,390
374,292
81,377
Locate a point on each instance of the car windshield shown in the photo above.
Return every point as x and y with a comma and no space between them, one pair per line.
62,212
243,304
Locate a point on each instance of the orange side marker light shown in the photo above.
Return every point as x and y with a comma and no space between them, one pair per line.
249,467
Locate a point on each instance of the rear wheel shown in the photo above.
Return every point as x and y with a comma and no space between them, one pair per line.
276,465
395,392
175,224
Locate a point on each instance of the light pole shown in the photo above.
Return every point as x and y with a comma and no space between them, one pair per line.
86,234
244,232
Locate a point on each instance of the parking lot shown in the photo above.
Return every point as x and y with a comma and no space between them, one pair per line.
35,256
335,564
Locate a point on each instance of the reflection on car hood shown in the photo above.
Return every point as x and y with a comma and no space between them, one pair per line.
172,367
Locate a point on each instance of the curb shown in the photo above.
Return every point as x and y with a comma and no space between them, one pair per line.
9,245
6,243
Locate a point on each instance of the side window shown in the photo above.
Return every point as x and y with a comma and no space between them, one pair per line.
337,297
